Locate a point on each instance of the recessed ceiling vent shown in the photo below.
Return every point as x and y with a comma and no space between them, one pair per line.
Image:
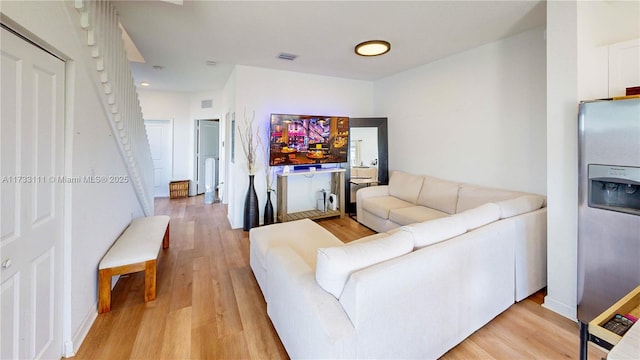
285,56
206,104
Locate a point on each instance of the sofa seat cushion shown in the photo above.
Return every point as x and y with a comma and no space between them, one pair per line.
335,264
414,214
303,236
405,186
520,205
437,230
439,194
381,205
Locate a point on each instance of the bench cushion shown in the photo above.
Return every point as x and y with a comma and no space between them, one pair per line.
140,242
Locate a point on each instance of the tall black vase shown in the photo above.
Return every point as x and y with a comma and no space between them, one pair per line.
251,211
268,210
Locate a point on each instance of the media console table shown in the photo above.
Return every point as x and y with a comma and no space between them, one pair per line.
337,187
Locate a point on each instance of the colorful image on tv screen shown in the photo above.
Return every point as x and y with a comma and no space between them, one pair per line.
308,139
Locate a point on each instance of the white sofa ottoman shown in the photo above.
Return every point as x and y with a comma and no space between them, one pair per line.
303,236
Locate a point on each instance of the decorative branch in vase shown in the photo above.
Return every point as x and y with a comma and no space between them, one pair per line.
250,141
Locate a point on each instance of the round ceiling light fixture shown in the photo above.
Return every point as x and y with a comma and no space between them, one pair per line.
373,48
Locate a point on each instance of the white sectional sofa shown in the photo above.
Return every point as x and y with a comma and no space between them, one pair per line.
412,198
414,291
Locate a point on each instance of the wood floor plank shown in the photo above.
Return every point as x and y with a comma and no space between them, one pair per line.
228,321
209,305
206,346
176,343
181,294
152,325
203,310
255,322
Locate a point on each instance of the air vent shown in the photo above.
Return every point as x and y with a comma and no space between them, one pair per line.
285,56
206,104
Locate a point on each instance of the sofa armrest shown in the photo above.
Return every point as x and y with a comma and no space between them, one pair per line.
372,191
310,322
369,192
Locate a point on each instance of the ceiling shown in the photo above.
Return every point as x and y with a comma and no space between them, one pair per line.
182,36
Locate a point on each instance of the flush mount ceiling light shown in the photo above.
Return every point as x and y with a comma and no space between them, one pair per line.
144,83
373,48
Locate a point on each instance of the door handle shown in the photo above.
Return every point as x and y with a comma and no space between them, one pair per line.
6,264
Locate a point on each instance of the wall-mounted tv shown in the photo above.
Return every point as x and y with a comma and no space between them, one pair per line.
308,139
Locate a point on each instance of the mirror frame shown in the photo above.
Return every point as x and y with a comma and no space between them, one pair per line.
383,153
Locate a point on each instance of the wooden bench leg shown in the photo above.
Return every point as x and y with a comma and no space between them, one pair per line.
104,291
149,280
165,240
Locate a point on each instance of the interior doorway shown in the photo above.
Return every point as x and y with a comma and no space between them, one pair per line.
207,161
160,135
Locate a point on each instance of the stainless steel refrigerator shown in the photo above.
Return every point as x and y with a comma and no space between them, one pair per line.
609,204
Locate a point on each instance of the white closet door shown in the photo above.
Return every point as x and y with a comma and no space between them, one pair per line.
31,198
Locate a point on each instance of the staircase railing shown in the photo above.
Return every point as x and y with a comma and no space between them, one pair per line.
104,38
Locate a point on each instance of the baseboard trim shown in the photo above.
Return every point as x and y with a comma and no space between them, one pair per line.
72,347
561,308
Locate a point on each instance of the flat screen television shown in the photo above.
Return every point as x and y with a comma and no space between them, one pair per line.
308,139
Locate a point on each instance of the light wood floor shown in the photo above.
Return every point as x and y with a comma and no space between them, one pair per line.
209,305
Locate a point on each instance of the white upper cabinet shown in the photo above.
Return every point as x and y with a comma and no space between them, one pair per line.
624,66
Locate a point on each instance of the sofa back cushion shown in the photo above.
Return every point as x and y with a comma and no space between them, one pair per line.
405,186
439,194
335,264
520,205
434,231
472,196
479,216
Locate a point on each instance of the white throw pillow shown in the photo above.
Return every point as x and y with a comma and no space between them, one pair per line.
433,231
479,216
519,205
335,264
369,238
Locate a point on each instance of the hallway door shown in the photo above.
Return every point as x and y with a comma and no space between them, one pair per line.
208,143
31,198
160,135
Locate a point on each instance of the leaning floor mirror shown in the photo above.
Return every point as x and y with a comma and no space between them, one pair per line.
368,157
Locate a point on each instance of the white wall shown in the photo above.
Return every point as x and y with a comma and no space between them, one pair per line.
562,162
577,69
216,111
95,213
174,106
272,91
477,117
183,109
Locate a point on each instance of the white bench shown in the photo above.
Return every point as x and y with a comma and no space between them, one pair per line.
135,250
